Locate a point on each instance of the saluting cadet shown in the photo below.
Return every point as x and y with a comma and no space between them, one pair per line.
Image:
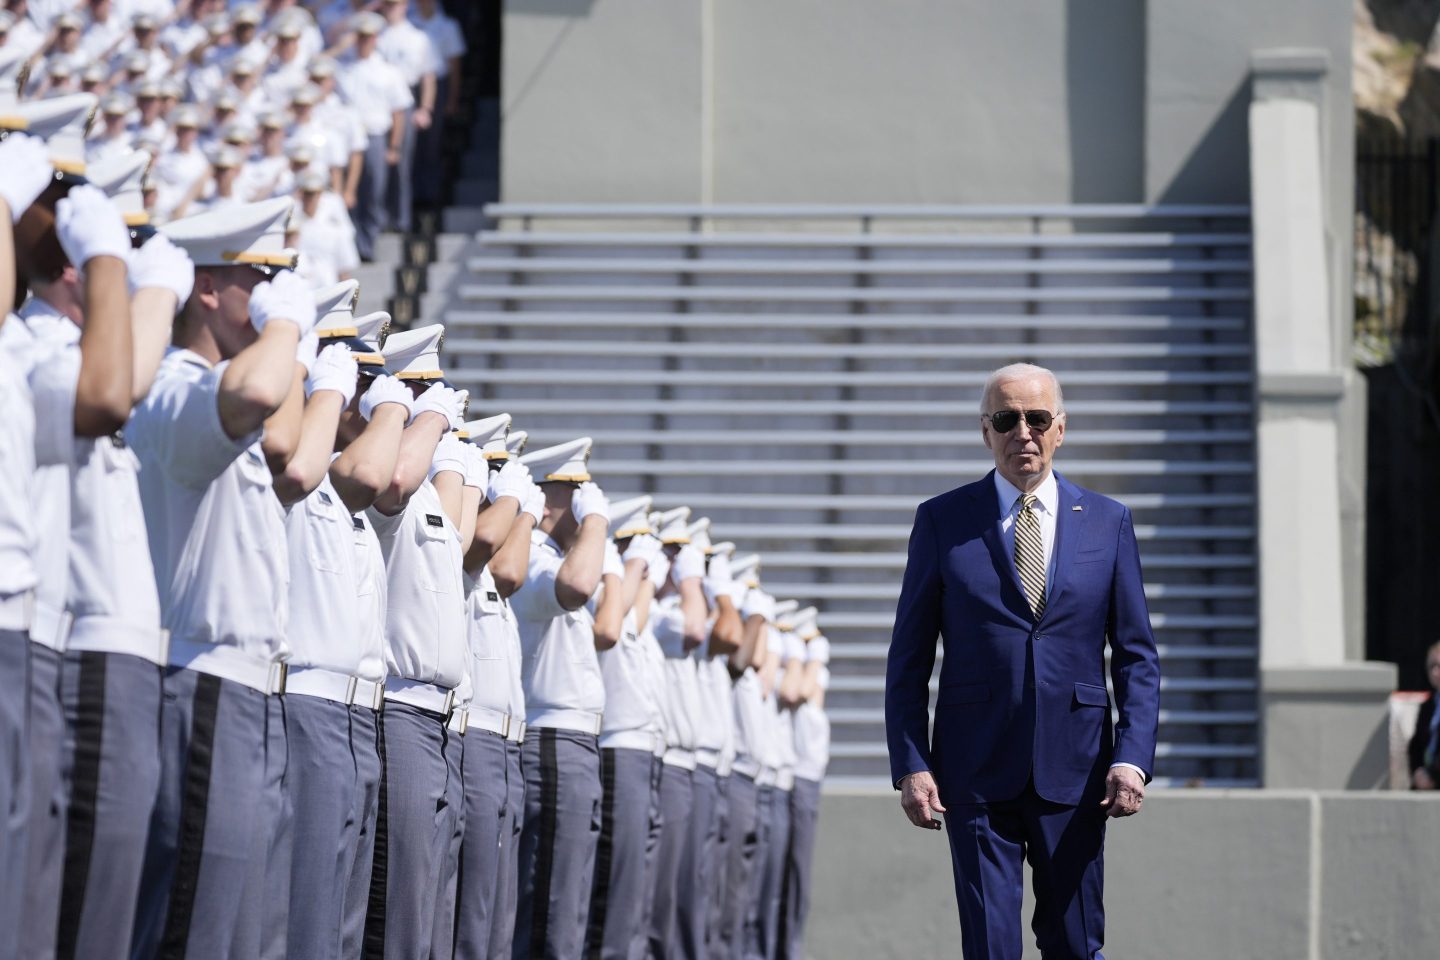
417,522
494,568
111,676
368,445
213,525
812,755
71,248
28,174
564,699
324,652
717,695
632,732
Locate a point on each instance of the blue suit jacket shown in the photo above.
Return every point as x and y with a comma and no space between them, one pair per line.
1019,698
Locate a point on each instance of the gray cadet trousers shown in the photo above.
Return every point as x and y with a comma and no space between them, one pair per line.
720,868
265,917
14,781
321,787
772,873
670,886
443,939
207,812
507,882
557,843
795,904
365,751
112,732
624,855
744,836
49,799
697,864
412,839
369,214
399,186
487,822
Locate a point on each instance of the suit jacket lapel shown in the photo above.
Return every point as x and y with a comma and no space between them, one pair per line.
1068,525
987,509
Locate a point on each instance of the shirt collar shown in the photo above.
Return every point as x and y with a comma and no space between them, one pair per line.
1047,494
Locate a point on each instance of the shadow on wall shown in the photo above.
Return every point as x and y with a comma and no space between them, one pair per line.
1105,107
1210,173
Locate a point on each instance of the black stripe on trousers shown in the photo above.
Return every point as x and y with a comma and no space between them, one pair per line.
374,944
194,806
84,791
604,853
545,855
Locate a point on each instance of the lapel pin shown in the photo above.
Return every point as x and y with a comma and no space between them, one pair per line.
1077,508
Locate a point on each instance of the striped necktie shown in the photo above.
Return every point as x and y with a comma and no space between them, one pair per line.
1030,554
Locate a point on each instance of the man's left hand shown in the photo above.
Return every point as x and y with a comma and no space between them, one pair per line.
1124,792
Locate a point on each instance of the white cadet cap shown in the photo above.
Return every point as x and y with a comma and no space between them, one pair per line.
307,94
137,62
185,115
415,354
671,525
630,518
515,443
373,328
804,623
61,122
252,234
248,13
562,463
122,178
489,435
746,570
785,608
368,23
335,309
723,548
700,535
312,181
116,105
227,157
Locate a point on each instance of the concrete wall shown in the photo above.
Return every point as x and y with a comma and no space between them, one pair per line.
1249,875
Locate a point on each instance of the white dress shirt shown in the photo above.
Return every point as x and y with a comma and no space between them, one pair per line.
812,726
324,605
494,649
17,525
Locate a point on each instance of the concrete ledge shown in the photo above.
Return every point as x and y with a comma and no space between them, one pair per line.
1361,679
1263,874
1316,387
1326,727
1291,61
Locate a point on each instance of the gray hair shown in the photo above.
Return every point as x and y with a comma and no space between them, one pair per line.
1020,371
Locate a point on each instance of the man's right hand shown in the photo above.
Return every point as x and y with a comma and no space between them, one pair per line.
919,796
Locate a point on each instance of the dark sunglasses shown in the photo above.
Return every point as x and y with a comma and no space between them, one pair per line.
1006,420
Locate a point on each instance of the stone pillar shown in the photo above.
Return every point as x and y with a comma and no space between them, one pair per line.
1323,715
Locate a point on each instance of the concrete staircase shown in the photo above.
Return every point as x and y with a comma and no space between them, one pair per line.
806,375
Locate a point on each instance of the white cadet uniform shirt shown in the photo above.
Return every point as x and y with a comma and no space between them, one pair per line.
445,38
494,649
408,49
425,611
751,727
563,686
812,725
375,90
17,524
633,717
216,529
717,697
324,600
48,345
372,590
682,683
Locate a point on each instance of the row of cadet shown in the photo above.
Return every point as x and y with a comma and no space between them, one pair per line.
317,667
343,107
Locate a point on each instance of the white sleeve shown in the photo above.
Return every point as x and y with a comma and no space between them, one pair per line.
178,425
536,600
818,650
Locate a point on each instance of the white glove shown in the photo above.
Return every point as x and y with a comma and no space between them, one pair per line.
719,569
88,226
449,455
306,350
689,562
534,502
335,369
590,501
644,546
761,603
386,389
511,480
27,172
612,564
441,399
659,570
159,263
287,298
477,470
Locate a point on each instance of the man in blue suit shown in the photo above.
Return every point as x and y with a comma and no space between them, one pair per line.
1024,576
